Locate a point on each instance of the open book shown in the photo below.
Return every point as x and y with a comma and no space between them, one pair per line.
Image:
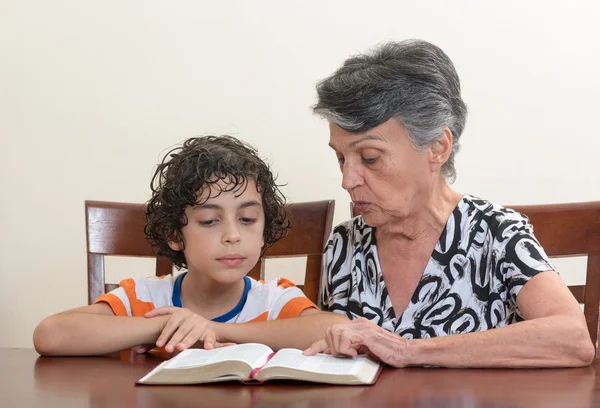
257,362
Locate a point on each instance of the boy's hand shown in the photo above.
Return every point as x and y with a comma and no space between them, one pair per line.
144,348
185,329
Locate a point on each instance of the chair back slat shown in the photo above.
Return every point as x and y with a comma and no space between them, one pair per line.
116,229
578,292
95,276
591,301
565,229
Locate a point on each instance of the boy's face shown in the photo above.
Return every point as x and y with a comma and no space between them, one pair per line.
224,236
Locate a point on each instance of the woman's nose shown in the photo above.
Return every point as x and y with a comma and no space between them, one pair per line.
351,178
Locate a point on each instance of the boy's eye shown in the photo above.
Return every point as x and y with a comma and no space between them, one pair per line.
247,220
208,223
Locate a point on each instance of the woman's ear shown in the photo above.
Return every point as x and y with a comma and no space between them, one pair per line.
441,149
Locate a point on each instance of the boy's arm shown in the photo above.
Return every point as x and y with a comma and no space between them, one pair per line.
300,332
94,330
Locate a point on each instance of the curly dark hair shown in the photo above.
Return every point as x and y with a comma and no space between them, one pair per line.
200,163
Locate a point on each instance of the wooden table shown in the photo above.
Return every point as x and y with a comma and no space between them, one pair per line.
27,380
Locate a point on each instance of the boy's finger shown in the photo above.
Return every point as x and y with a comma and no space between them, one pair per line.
140,349
179,335
192,337
315,348
170,328
161,311
209,341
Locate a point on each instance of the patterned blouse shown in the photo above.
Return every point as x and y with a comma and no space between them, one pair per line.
484,256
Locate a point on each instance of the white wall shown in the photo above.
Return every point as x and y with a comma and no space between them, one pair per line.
91,94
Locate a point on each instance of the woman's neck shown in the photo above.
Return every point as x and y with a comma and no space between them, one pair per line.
425,221
208,298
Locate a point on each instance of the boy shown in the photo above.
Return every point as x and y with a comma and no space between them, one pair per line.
215,208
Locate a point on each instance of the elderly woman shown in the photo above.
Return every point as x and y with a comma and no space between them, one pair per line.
430,276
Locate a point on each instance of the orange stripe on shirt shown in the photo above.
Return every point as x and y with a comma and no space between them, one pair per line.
261,318
138,307
114,302
294,307
284,283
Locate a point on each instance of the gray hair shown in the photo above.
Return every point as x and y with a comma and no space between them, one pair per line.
412,81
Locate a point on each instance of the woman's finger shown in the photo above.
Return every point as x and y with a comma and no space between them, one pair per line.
316,347
333,340
345,346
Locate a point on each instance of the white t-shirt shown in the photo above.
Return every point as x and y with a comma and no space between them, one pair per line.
277,299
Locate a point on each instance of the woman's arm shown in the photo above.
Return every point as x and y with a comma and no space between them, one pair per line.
554,334
93,330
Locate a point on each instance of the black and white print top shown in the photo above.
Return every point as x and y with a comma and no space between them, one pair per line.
484,256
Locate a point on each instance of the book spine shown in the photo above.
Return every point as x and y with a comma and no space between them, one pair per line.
257,369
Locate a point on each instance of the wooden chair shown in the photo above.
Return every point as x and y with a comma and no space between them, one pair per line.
118,229
311,225
115,229
572,230
566,230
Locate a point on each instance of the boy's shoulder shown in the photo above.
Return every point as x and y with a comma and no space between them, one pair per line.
157,290
164,281
272,300
138,295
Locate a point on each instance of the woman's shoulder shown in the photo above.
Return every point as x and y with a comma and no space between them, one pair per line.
500,220
471,204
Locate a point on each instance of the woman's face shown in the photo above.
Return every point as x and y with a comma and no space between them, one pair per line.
386,177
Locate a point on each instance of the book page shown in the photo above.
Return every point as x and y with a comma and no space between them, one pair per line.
320,363
255,355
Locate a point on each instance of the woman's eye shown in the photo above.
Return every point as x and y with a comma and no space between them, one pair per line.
247,220
369,160
340,160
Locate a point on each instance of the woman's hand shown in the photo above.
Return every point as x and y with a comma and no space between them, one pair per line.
184,329
360,336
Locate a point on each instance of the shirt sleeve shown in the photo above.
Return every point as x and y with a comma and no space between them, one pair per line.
336,275
289,301
117,300
138,296
521,255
